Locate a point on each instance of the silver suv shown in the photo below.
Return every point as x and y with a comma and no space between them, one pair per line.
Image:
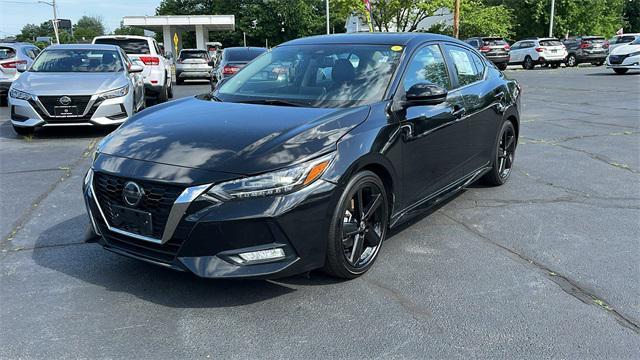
12,55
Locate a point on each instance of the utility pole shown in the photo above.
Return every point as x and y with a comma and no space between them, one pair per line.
327,9
456,19
55,18
553,9
244,37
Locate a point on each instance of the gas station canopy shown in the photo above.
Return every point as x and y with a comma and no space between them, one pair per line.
172,26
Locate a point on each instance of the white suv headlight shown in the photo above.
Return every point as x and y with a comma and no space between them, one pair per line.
17,94
115,93
635,53
274,183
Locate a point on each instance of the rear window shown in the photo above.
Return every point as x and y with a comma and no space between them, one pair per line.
550,43
490,42
594,40
193,55
7,52
130,46
242,54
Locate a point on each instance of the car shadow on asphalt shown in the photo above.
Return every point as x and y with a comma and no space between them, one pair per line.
60,248
63,132
611,73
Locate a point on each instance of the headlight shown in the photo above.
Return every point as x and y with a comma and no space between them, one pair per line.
634,54
274,183
115,93
17,94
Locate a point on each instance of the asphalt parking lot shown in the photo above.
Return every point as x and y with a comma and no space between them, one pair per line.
545,266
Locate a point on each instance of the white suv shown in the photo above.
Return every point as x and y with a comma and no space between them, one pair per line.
144,50
538,51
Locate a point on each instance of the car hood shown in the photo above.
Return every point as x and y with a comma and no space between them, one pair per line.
625,49
38,83
230,137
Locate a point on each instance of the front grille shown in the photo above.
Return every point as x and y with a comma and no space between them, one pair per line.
165,253
50,101
81,109
157,199
616,59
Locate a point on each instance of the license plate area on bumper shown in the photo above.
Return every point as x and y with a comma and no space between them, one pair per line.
65,111
132,220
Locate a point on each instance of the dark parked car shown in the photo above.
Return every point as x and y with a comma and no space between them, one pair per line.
586,49
232,60
270,176
495,49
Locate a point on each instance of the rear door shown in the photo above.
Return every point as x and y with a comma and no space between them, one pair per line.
480,93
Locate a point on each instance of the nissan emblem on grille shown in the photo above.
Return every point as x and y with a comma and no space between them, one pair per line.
65,100
132,193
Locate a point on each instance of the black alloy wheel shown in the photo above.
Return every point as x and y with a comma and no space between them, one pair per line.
503,157
358,227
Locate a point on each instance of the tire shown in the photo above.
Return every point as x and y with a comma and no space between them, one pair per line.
555,65
4,101
598,63
502,66
163,96
572,61
24,131
500,174
179,81
528,63
349,256
621,71
170,92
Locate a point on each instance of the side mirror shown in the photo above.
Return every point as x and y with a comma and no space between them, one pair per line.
425,94
21,67
136,69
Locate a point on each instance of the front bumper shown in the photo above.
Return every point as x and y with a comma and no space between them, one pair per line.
204,238
186,72
96,112
624,62
498,59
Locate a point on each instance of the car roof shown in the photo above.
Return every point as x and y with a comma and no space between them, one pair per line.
141,37
239,48
83,47
367,38
629,34
201,50
16,44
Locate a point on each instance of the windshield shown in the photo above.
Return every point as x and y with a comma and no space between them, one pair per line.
81,60
193,55
130,46
552,42
494,42
316,75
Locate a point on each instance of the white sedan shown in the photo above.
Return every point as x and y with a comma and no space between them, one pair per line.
625,57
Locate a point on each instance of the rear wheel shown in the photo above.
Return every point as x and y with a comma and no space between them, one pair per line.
358,227
621,71
170,92
24,131
164,93
179,81
571,60
503,156
528,63
502,66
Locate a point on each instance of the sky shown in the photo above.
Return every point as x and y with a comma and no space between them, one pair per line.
14,14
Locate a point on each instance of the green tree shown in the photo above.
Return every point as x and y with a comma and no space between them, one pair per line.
631,16
88,27
128,30
393,15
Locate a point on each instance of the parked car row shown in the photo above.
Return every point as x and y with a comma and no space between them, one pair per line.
552,52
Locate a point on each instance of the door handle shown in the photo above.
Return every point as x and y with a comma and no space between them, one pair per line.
458,113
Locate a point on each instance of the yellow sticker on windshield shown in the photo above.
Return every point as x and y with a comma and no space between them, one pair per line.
396,48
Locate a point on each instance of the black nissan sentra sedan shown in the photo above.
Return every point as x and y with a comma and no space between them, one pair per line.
305,158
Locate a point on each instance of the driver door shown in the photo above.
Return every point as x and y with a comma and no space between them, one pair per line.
433,143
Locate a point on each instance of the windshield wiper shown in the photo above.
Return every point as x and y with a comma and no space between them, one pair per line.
277,102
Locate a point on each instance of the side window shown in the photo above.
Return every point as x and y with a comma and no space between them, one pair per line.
427,66
516,46
465,65
155,46
125,58
479,64
32,52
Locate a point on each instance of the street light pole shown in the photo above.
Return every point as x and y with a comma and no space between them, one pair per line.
327,9
55,18
553,9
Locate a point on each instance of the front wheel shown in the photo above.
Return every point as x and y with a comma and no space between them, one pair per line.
358,227
503,156
572,61
621,71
